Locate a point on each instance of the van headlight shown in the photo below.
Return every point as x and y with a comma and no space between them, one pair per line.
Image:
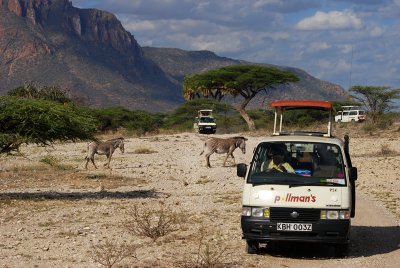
335,215
255,212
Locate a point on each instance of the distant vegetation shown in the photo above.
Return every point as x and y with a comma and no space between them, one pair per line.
39,121
42,115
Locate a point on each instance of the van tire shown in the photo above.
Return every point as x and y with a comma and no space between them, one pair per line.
252,247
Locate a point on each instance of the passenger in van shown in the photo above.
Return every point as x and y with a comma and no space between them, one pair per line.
278,163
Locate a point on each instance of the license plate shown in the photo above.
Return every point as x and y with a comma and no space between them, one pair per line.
296,227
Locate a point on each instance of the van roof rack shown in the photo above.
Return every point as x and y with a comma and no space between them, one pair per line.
283,105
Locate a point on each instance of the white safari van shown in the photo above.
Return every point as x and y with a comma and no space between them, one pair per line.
299,186
350,116
205,122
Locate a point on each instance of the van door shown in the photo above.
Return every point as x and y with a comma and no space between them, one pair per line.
353,116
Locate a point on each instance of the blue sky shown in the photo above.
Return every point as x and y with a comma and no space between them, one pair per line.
347,42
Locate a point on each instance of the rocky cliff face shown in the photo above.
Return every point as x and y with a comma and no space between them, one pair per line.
89,53
85,50
89,24
32,10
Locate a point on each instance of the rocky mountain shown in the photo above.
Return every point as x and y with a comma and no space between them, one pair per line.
89,53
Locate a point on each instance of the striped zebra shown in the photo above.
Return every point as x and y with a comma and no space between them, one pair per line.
222,146
103,148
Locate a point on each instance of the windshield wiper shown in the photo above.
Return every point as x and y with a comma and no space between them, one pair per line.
319,183
304,184
278,182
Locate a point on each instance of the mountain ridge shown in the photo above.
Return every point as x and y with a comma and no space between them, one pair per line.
89,53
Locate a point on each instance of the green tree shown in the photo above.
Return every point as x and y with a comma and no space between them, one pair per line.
112,118
24,121
31,90
182,117
377,100
236,80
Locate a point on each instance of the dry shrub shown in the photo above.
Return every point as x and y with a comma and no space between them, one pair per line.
386,151
109,254
54,162
204,180
211,252
153,223
144,150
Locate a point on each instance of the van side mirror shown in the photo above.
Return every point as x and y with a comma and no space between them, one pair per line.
241,170
353,174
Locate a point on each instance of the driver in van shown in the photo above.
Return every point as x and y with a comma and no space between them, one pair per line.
278,162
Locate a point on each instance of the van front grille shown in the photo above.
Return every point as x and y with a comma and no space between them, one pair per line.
294,215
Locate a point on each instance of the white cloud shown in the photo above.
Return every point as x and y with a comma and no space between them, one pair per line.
345,48
317,46
376,31
333,20
262,31
140,26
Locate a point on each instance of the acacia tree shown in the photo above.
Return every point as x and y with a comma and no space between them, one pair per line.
24,121
236,80
377,100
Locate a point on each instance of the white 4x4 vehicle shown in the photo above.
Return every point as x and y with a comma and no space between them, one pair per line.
350,116
299,186
205,122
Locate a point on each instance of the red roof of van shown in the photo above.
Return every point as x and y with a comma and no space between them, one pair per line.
293,104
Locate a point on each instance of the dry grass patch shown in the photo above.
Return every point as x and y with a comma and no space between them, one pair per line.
383,151
204,180
144,150
51,174
386,151
229,198
55,163
389,200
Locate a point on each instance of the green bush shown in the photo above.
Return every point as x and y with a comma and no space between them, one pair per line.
114,118
303,118
41,122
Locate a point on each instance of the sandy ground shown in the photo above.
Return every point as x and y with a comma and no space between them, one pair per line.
61,215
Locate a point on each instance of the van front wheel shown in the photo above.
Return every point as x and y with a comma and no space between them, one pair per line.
252,247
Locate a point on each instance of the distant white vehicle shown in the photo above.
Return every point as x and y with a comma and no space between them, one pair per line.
205,122
350,115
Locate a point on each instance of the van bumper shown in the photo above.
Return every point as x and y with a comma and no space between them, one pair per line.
323,231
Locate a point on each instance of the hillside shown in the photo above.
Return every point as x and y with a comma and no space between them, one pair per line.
89,53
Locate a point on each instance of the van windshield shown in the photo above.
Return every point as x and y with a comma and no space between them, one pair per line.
207,120
297,163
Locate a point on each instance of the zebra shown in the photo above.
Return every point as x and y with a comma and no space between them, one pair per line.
221,146
103,148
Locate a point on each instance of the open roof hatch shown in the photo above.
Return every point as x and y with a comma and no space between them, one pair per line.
281,106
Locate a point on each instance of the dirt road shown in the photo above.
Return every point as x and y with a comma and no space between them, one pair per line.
53,212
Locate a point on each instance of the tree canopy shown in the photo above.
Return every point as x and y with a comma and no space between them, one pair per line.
377,100
236,80
42,122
